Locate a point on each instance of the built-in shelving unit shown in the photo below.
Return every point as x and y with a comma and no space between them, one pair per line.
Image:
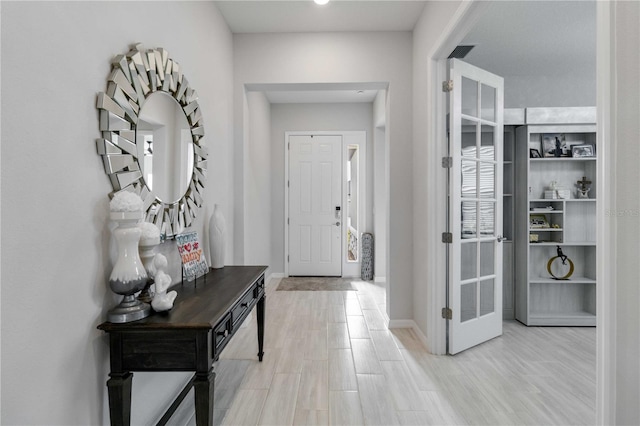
508,286
544,224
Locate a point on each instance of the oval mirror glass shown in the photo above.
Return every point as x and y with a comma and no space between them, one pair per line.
165,148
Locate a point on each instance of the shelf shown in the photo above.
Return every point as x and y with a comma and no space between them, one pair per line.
542,160
579,318
572,280
545,211
545,229
568,243
561,200
577,314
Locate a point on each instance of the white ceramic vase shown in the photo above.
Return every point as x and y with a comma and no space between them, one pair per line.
128,276
147,252
217,227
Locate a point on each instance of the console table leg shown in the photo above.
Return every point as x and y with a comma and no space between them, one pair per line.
260,318
203,386
119,387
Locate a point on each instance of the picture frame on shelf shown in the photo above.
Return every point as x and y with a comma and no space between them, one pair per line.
548,146
554,145
538,221
534,153
582,151
571,145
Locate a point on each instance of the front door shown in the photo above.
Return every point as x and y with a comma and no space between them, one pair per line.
315,205
475,206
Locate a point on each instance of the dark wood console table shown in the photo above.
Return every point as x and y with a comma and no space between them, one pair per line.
190,337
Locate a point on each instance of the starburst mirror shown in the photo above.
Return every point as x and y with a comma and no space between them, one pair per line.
152,137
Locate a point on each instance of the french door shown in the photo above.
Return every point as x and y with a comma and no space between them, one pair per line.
315,205
475,206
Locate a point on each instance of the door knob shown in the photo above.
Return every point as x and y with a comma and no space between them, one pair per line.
500,238
337,223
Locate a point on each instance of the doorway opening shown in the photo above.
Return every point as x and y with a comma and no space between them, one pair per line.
325,198
465,20
523,84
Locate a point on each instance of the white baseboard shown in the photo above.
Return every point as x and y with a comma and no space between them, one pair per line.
274,276
401,324
380,279
413,326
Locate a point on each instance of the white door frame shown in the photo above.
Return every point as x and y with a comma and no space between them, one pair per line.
349,269
463,20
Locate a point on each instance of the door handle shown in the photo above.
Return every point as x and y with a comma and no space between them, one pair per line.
337,223
500,238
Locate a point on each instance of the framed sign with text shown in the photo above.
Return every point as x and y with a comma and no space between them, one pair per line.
194,264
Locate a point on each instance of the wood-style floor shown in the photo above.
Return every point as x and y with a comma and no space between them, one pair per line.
329,360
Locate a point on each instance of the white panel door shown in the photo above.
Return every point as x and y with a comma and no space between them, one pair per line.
475,209
315,205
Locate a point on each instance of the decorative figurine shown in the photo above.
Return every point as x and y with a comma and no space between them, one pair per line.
162,301
558,151
556,192
583,190
565,263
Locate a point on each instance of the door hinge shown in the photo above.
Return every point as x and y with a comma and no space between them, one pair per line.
447,313
447,162
287,258
447,86
447,237
288,145
287,184
288,221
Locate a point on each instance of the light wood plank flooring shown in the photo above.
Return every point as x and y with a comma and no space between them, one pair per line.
329,359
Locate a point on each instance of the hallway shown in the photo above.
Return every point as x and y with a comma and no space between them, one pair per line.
330,360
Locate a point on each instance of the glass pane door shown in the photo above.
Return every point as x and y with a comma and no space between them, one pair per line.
475,287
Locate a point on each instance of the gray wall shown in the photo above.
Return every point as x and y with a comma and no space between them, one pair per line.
625,213
258,173
429,178
550,91
312,117
57,252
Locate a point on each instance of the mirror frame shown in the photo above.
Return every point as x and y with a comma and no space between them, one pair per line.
134,76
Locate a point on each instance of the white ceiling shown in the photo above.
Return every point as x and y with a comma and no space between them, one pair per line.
513,38
520,38
269,16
